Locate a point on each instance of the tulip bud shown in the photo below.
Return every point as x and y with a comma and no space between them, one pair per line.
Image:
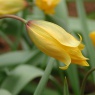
11,6
56,42
47,5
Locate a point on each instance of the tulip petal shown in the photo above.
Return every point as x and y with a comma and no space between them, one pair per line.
57,33
75,53
65,67
48,45
81,46
80,62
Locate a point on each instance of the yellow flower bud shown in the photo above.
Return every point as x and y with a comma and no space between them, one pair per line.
92,36
11,6
47,5
56,42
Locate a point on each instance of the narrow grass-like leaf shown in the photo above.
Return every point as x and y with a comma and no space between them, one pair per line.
47,91
75,24
4,92
85,32
17,57
35,59
74,80
19,77
65,89
62,11
36,14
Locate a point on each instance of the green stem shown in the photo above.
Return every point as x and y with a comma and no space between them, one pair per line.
84,80
44,78
88,43
15,17
60,72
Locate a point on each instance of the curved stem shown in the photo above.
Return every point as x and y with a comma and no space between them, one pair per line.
84,80
15,17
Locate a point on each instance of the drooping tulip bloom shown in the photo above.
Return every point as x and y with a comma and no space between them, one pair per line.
56,42
47,5
92,36
11,6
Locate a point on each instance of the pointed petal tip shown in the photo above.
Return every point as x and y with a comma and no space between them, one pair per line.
87,64
64,68
84,63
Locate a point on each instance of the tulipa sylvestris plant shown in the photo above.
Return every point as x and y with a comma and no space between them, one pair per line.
47,5
28,63
11,6
56,42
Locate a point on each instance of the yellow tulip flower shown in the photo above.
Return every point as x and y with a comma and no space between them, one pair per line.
47,5
56,42
92,36
11,6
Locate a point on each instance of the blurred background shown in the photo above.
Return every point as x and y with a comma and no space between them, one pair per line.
22,64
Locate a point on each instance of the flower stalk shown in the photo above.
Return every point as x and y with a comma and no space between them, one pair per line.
15,17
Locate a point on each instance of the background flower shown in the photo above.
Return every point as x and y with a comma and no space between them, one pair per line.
92,36
47,5
11,6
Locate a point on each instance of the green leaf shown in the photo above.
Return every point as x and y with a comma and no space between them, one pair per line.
45,77
47,91
35,59
4,92
20,77
62,11
74,79
85,32
74,24
66,91
17,57
36,14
